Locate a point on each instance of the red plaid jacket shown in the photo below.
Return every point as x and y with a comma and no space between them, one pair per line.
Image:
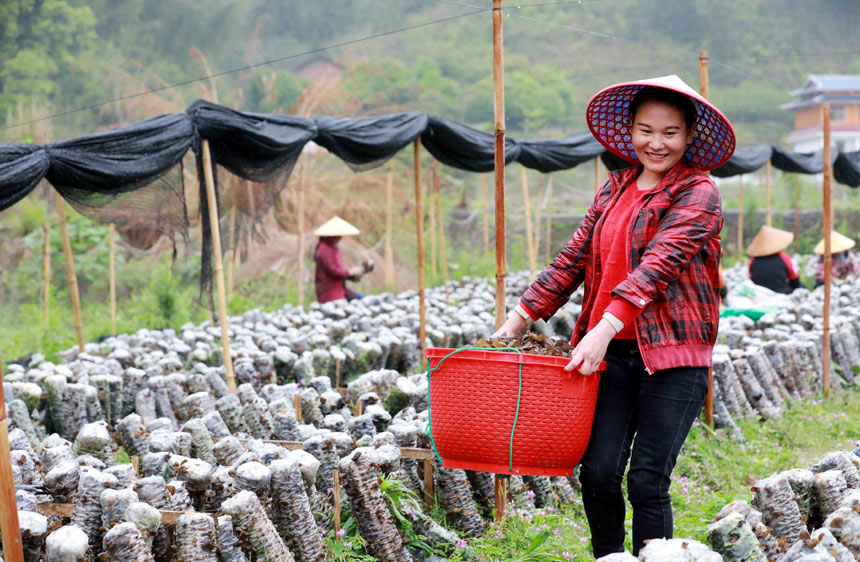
673,267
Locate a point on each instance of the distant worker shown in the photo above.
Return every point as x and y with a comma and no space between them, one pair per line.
331,275
770,267
843,263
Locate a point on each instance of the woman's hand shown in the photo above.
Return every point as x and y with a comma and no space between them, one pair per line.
592,348
356,271
512,326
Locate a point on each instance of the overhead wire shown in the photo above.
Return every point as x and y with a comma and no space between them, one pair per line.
241,69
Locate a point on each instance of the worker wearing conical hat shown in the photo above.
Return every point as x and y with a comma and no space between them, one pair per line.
331,275
769,266
843,263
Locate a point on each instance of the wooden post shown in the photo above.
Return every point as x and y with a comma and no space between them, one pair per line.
297,406
135,463
485,213
70,272
431,203
389,229
442,256
828,263
112,262
796,212
740,217
429,494
528,211
596,175
46,273
767,191
337,373
499,160
537,224
232,254
703,89
335,476
300,226
219,266
548,219
13,549
419,232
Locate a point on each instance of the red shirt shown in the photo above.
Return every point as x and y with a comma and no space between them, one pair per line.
614,246
330,275
672,273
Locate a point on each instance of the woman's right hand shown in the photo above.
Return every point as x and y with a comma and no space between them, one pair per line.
356,271
512,326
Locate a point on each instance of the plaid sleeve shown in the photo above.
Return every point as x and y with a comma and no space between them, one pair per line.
553,287
694,217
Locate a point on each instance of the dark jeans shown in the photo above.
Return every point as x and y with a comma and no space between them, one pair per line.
352,295
658,410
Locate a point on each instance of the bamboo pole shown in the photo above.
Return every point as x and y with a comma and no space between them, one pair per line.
13,549
442,242
230,259
431,203
46,273
548,219
297,406
596,175
219,266
528,211
335,476
501,484
389,229
796,212
70,271
537,225
740,217
703,89
767,192
419,232
429,494
485,214
828,259
112,263
300,226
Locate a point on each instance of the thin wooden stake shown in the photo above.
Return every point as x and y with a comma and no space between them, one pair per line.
499,165
485,215
231,255
500,497
135,462
300,225
419,232
389,229
740,217
429,493
537,224
828,259
46,273
337,373
112,266
703,89
596,175
442,256
219,266
767,191
431,203
297,406
335,475
796,212
13,549
70,272
527,206
548,219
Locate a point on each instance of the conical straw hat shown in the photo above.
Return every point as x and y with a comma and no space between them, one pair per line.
336,226
608,118
769,240
838,243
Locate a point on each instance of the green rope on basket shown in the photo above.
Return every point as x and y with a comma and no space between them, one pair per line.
428,430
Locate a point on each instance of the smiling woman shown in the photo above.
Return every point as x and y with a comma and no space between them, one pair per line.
648,254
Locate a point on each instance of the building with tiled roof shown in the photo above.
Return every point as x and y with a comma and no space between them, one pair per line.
842,92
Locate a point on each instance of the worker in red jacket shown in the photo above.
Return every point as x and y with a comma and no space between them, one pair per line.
331,275
648,253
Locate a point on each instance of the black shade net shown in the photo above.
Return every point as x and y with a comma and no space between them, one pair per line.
134,175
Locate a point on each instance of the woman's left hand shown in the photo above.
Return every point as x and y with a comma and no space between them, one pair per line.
590,351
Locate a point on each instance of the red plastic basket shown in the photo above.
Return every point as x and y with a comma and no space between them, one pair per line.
473,403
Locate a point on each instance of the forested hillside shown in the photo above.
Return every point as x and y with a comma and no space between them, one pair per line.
59,55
